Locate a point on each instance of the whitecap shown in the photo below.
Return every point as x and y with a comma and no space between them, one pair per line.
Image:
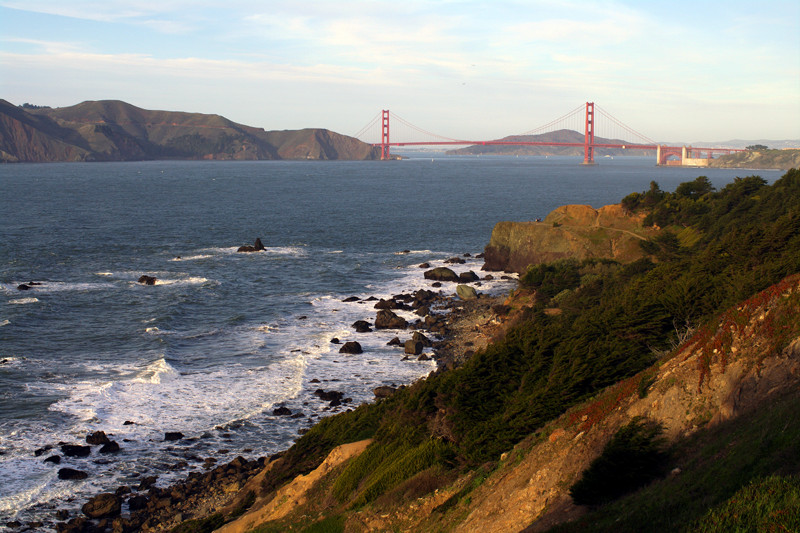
155,371
23,301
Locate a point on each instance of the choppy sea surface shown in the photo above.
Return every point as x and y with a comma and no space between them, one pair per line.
224,337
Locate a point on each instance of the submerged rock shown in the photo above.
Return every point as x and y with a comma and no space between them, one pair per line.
147,280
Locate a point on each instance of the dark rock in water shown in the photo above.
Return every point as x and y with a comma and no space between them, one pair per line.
71,474
144,279
74,450
423,311
424,265
23,287
98,437
413,347
42,451
488,277
55,459
109,447
468,277
62,514
128,423
362,326
386,304
315,380
351,299
394,342
405,252
335,340
147,482
282,411
333,397
173,435
423,357
257,247
455,261
389,320
384,391
419,337
14,524
479,256
351,347
436,284
441,274
103,505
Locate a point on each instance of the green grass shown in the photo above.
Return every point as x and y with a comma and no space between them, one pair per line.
715,464
766,504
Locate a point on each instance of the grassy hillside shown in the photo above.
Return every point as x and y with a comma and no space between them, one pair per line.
781,159
587,325
111,130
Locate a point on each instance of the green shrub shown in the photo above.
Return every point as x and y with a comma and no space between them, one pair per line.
632,458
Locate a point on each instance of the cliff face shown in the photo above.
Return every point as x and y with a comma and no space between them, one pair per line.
571,231
111,130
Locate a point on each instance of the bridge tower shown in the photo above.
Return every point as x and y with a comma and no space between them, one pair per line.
385,135
588,137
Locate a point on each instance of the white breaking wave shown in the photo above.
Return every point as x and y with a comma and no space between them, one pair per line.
23,301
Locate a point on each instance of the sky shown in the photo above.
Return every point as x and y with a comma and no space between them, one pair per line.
674,71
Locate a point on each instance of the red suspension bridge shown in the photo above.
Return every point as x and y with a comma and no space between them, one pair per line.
384,130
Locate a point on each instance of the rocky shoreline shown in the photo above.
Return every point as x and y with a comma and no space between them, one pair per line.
466,325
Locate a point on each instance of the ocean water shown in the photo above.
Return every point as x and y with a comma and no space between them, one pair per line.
224,337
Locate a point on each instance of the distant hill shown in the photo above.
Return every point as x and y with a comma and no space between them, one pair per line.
111,130
756,159
561,136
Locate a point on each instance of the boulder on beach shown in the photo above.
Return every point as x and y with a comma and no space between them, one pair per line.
351,347
394,342
468,277
441,274
419,337
465,292
386,319
104,505
455,261
413,347
144,279
256,247
384,391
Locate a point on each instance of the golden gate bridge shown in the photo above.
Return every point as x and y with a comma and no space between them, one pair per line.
385,128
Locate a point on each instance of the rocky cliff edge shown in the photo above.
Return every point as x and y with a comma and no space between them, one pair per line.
570,231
